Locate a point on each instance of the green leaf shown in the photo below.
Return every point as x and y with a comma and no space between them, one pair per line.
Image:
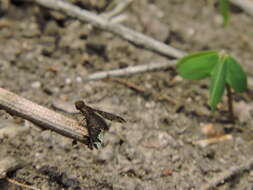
235,75
198,65
218,82
224,10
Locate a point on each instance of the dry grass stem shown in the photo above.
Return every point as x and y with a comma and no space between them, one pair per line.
41,116
13,181
206,142
132,36
129,70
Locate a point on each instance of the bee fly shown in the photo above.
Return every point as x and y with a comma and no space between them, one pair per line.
95,122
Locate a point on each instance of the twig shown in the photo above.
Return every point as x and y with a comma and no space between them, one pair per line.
127,34
21,184
132,36
212,140
121,6
127,84
129,70
139,69
41,116
162,97
141,89
245,5
227,174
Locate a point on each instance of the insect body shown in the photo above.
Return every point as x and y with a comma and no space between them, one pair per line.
94,121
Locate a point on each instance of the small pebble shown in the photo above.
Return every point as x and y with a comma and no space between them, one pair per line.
79,79
36,84
68,81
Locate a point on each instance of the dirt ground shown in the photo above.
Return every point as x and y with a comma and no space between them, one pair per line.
44,57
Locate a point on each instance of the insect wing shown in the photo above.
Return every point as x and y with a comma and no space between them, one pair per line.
110,116
96,121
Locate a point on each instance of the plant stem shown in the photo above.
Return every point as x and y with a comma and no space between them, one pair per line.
230,103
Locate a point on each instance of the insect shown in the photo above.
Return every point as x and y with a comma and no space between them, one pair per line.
95,122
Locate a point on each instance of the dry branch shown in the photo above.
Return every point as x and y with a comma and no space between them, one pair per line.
41,116
245,5
15,182
132,36
227,175
129,70
153,94
128,84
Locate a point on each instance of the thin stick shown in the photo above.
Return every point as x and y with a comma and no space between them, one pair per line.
132,36
120,7
139,69
227,174
21,184
128,84
230,103
212,140
141,89
125,33
129,70
245,5
41,116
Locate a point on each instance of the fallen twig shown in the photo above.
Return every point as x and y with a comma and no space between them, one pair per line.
21,184
162,97
141,89
139,69
128,84
120,7
132,36
129,70
41,116
127,34
245,5
206,142
227,174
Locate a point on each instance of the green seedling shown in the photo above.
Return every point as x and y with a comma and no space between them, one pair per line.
224,8
225,73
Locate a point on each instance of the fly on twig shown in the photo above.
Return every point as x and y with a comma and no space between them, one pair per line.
95,122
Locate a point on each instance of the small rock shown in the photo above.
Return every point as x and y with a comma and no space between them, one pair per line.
243,111
36,84
68,81
79,79
31,29
177,79
150,104
167,172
